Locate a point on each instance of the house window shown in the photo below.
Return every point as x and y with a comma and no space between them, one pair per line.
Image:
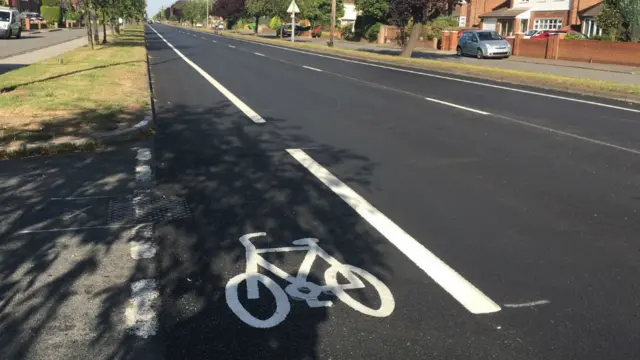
547,24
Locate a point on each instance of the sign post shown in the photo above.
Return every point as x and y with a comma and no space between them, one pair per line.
293,9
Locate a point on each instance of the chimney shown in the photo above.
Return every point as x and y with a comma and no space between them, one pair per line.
573,13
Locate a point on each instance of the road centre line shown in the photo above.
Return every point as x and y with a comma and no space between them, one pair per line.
452,282
237,102
257,53
214,41
448,77
458,106
231,46
311,68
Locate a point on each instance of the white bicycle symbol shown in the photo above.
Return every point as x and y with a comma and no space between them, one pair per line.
299,287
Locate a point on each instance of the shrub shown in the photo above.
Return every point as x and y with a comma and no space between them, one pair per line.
275,23
372,32
51,14
347,33
73,15
572,36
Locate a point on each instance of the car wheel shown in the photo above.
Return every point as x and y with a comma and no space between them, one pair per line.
479,54
459,51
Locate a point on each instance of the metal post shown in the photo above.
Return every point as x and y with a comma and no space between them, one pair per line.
293,26
333,22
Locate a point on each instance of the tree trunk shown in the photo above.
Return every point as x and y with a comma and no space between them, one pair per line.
104,29
413,40
87,20
255,29
117,28
94,25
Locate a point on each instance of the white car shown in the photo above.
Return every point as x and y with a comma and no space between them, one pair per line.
10,24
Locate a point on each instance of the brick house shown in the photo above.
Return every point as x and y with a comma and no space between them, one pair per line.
513,16
24,5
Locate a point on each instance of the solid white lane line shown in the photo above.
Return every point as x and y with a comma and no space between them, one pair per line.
452,282
458,106
237,102
311,68
527,304
231,46
257,53
450,78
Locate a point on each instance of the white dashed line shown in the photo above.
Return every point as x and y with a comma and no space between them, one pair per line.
527,304
311,68
140,314
231,46
234,99
214,41
452,282
257,53
458,106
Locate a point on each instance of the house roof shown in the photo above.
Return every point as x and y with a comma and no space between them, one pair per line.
504,13
592,11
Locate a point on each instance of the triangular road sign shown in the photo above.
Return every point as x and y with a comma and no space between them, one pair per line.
293,7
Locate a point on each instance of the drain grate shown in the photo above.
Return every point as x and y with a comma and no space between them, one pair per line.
146,207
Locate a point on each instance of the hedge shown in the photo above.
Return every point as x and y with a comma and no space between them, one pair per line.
51,14
50,2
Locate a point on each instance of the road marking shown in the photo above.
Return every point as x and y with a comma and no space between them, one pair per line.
311,68
237,102
527,304
143,173
114,226
82,198
450,78
231,46
257,53
140,314
457,106
203,38
452,282
214,41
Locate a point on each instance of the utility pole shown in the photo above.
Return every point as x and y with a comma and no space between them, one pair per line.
333,22
207,14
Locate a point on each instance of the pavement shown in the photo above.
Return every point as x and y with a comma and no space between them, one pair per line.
347,211
52,47
602,72
38,40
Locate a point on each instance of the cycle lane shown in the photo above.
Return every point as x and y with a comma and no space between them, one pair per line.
238,179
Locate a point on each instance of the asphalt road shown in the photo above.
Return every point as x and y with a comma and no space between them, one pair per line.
529,201
446,218
29,42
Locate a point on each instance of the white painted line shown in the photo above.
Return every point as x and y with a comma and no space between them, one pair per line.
457,106
527,304
452,282
114,226
213,41
311,68
142,250
143,173
82,198
144,154
140,314
237,102
231,46
450,78
203,38
257,53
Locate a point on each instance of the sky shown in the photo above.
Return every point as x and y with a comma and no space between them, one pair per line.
153,6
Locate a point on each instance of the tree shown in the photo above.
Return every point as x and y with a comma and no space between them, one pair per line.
630,13
319,11
194,10
231,10
420,11
259,8
378,9
610,19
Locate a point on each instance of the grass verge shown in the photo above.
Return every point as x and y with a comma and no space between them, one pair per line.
77,94
618,91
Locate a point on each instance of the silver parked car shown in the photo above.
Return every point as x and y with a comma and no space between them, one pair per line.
482,44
